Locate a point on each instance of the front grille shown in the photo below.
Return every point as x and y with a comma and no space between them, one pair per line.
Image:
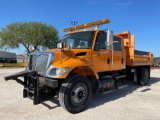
39,63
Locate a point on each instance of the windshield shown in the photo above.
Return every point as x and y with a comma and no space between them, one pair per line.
79,40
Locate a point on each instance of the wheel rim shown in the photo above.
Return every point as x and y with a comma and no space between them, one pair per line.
79,94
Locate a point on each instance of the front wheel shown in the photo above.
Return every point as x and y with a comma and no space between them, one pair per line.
75,93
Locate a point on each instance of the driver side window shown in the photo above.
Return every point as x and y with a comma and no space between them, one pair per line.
117,46
100,41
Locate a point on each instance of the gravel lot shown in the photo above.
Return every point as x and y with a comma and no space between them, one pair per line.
130,102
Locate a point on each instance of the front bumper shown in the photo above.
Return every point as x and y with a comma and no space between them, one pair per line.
33,84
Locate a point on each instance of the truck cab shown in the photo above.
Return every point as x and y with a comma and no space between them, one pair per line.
88,48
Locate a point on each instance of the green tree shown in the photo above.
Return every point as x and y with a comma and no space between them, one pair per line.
28,34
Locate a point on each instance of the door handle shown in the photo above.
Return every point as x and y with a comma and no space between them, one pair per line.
98,53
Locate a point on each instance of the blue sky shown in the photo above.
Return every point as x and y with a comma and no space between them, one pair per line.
140,17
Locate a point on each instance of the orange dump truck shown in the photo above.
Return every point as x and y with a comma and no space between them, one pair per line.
87,60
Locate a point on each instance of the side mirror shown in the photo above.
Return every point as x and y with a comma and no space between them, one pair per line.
33,48
109,41
59,45
109,46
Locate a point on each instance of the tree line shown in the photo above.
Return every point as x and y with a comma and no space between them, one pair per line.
28,34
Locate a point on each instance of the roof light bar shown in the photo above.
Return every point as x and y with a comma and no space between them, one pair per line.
87,25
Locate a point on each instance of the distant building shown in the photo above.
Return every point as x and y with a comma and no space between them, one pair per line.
21,58
156,61
7,57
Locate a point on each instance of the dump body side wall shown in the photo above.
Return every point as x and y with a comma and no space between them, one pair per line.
134,57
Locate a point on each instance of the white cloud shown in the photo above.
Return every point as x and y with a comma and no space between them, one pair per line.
114,2
84,14
123,4
96,2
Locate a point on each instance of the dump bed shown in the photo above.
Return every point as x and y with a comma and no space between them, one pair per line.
134,57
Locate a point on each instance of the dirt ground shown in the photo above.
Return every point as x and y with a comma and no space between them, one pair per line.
155,68
130,102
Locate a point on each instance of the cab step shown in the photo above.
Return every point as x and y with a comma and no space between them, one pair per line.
119,78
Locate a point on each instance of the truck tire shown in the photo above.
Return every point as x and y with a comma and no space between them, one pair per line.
75,93
144,77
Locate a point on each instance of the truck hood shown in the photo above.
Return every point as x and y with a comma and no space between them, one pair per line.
74,57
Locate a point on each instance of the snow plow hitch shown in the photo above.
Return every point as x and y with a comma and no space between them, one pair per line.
34,85
20,74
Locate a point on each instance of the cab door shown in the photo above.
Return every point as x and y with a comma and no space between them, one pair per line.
118,59
101,58
107,60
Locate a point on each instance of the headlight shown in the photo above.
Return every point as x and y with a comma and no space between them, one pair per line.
59,71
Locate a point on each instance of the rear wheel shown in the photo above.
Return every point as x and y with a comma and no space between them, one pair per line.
143,80
75,93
